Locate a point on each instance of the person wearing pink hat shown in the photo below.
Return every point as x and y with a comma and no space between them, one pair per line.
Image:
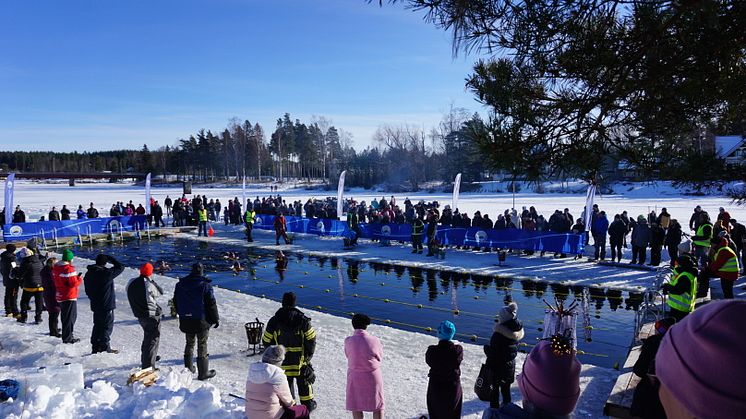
550,380
700,364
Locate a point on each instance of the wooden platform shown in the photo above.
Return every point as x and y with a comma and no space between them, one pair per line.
620,401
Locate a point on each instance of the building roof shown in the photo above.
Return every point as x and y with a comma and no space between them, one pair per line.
725,145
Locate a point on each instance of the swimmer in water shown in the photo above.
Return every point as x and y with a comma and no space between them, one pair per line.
162,267
237,267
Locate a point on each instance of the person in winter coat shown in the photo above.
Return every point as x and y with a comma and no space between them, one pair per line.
682,288
281,228
673,240
53,307
617,231
19,216
64,213
640,240
738,234
724,265
198,311
657,237
364,354
418,228
444,394
8,263
645,403
701,239
431,231
54,215
30,277
267,391
142,292
599,229
501,352
92,212
664,219
291,328
67,281
99,287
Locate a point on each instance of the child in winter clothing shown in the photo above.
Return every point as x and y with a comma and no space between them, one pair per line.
501,352
444,394
267,389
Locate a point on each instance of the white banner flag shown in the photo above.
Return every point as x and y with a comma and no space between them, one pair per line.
589,206
340,193
456,190
147,194
9,188
243,194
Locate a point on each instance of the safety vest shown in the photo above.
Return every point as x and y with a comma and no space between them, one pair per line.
418,227
202,214
705,242
683,302
732,264
249,217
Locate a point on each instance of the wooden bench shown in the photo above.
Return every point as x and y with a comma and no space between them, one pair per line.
620,401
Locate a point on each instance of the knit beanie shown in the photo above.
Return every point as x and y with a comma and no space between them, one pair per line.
101,259
508,312
31,243
700,360
67,255
446,330
550,380
146,269
274,354
288,299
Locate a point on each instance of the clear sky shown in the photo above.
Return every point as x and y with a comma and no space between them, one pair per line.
104,74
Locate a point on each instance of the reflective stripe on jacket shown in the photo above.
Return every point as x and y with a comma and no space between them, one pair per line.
683,302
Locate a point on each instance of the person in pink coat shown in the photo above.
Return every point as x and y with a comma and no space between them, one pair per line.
267,390
364,379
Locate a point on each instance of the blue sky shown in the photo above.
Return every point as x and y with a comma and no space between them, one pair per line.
102,75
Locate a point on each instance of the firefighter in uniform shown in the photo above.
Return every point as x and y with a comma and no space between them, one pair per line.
291,328
248,219
418,227
724,265
682,289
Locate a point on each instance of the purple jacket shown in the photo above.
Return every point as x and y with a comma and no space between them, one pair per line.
49,290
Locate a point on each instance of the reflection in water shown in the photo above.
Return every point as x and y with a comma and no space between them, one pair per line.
598,296
615,299
353,270
415,276
281,264
432,286
561,292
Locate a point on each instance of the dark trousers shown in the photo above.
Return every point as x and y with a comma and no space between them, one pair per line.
504,391
38,304
727,286
677,314
69,311
638,254
159,221
201,340
616,251
11,299
54,323
103,325
599,241
295,412
249,230
417,242
673,253
431,246
202,229
151,327
305,390
283,234
655,255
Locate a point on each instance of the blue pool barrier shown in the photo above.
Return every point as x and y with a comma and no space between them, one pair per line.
71,228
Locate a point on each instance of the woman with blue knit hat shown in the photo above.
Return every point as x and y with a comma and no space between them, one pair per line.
444,395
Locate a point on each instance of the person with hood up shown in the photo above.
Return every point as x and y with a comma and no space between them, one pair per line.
724,265
267,391
682,289
291,328
444,394
364,354
142,292
646,404
699,366
501,352
51,303
198,311
29,274
640,240
8,263
99,287
67,282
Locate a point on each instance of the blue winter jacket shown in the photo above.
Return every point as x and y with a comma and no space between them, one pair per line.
600,226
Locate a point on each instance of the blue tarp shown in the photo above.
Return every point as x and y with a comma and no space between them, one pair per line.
71,228
506,239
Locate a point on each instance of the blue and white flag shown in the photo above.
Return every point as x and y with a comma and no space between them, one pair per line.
9,187
147,194
340,193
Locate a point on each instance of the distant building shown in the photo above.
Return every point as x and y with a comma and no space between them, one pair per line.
732,149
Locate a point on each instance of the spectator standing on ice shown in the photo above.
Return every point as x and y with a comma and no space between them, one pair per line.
664,219
8,263
418,227
202,217
432,230
54,215
724,265
640,240
738,234
92,212
19,216
672,240
657,238
364,354
682,289
99,287
702,237
444,394
646,404
158,215
617,231
64,213
50,300
29,274
142,292
599,228
700,363
198,311
291,328
66,282
501,353
281,227
267,391
81,214
169,204
248,219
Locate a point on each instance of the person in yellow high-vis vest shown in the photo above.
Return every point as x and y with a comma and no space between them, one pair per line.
701,238
682,289
202,217
724,265
248,219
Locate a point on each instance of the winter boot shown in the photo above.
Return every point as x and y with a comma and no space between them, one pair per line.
189,363
203,366
22,317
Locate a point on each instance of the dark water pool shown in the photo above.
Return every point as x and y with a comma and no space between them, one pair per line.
403,297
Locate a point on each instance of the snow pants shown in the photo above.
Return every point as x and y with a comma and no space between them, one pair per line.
69,311
103,325
11,297
201,340
26,304
599,241
638,254
54,323
616,251
151,327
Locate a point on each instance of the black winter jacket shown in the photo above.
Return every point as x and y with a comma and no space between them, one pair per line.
142,293
29,273
291,328
7,263
99,285
617,231
502,350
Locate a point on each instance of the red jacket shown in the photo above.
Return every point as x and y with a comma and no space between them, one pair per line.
66,281
720,261
280,224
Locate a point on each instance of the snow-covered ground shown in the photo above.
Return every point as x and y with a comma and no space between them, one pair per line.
26,347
